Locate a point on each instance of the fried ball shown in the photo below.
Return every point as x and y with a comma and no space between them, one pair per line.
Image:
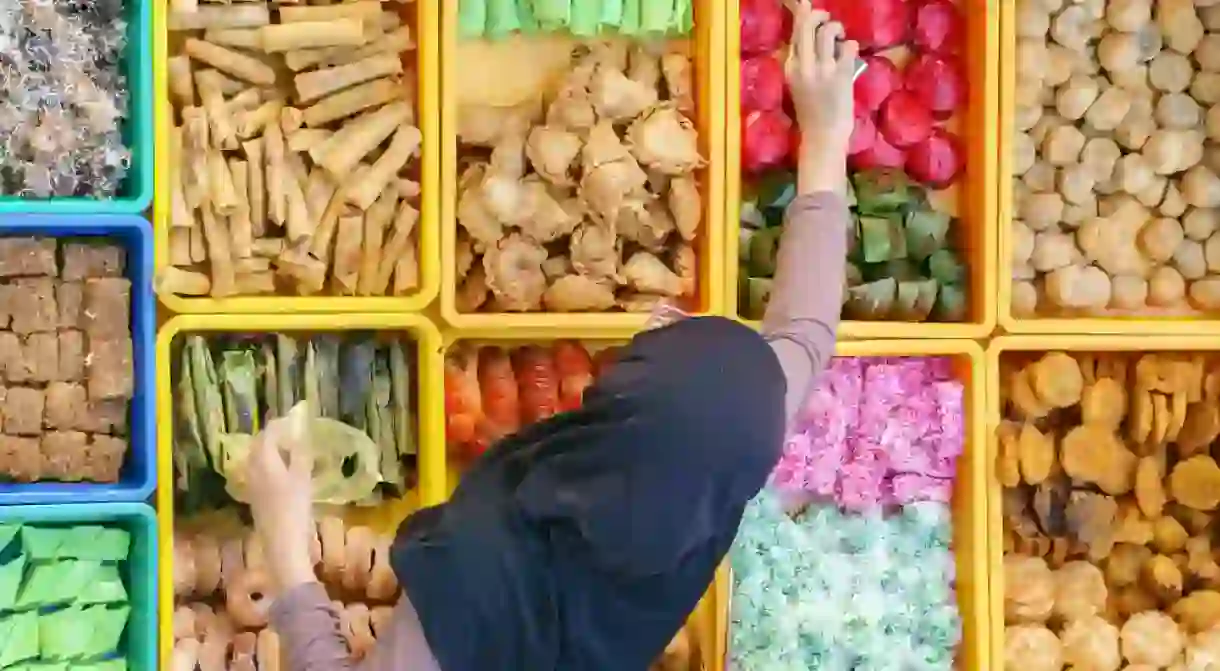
1057,380
1091,644
1029,589
1151,638
1032,647
1080,591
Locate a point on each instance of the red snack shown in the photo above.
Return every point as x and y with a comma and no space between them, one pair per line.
764,140
501,404
863,135
938,82
537,383
938,27
762,26
875,24
881,155
937,161
762,83
904,120
463,401
575,368
876,83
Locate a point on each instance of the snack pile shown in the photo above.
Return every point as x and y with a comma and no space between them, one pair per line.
1115,174
1111,485
222,595
826,589
877,433
901,263
63,597
491,392
299,183
66,359
588,203
864,577
583,18
903,266
65,99
351,395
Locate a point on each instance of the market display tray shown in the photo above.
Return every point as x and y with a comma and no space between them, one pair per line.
426,64
138,476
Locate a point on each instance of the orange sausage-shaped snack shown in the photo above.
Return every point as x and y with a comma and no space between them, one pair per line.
575,368
498,382
537,383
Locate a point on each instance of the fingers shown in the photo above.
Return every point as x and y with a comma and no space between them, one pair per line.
849,53
828,37
807,40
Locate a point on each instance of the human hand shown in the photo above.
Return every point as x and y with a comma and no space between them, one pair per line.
279,484
821,75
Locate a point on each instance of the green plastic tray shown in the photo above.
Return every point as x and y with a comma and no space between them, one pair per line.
136,193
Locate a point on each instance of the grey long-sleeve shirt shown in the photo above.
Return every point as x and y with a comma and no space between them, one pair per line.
800,324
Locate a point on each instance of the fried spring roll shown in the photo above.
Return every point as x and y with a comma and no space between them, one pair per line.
257,194
222,16
352,101
241,229
319,189
300,225
226,60
180,214
279,37
223,194
358,137
268,247
374,234
291,119
361,10
180,282
240,38
181,82
276,175
400,239
319,83
325,232
216,233
362,189
223,134
180,247
305,139
255,283
245,101
252,122
406,272
199,247
348,240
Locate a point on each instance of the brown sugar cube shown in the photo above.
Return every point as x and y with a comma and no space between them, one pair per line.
40,357
64,455
108,307
83,259
71,356
67,405
20,458
69,299
23,411
104,458
27,256
32,301
106,417
6,308
109,368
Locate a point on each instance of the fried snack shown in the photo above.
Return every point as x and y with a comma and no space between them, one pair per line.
1008,462
1094,454
1037,454
1024,400
1080,591
1091,643
1037,647
268,168
1149,488
1029,594
1057,380
1195,483
1197,611
1103,402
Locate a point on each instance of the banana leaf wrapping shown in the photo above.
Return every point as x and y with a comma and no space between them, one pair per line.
239,375
356,381
19,633
96,543
208,399
326,367
288,369
270,377
309,378
11,575
381,425
81,631
400,392
189,458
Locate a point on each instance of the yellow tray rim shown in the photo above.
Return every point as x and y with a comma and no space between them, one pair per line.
430,415
428,116
976,612
711,19
989,218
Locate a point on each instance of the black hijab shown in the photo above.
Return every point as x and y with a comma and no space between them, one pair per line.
583,542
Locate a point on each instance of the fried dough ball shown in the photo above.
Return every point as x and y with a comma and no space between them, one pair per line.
1080,591
1091,644
1029,589
1032,647
1151,638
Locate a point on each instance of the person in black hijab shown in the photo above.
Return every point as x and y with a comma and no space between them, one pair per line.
583,542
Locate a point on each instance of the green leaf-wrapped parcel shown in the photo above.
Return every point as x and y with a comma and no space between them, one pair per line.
239,378
270,376
208,399
585,18
288,364
472,18
81,631
326,367
356,381
502,18
656,16
11,575
93,542
189,456
106,588
7,533
381,424
56,582
400,379
18,638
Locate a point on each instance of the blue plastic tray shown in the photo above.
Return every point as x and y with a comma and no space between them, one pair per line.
136,193
140,640
138,477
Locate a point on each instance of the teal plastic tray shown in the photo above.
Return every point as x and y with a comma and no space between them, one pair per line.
136,193
140,640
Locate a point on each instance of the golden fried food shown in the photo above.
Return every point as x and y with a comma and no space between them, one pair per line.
1151,638
1094,454
1024,400
1029,589
1195,483
1200,429
1142,412
1032,647
1104,402
1057,380
1149,489
1080,591
1162,577
1036,453
1091,643
1197,611
1008,463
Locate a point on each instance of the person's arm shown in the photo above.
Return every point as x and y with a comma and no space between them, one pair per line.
309,632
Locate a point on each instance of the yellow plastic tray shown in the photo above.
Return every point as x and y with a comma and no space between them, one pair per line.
708,37
706,622
976,202
430,412
427,65
996,351
970,531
